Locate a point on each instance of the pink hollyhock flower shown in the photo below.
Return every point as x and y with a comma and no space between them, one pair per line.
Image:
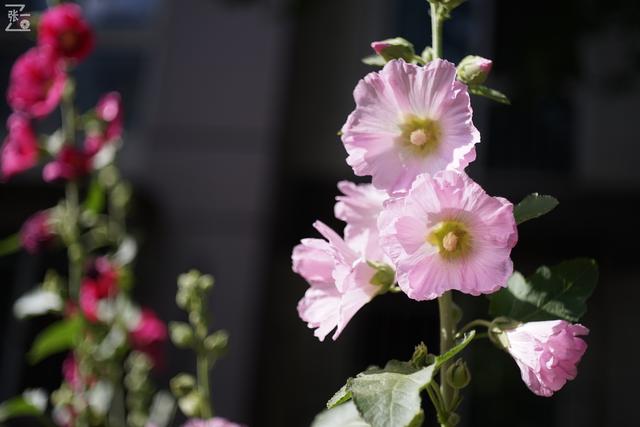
36,233
359,206
409,120
447,233
71,373
100,282
150,330
36,83
69,164
64,29
339,279
109,112
20,150
547,353
213,422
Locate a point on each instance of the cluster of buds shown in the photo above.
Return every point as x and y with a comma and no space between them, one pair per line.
193,393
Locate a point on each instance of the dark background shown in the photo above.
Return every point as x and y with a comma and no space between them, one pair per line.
232,109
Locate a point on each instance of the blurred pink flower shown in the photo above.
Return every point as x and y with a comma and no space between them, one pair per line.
36,83
109,112
20,150
36,232
149,331
447,233
379,46
359,206
70,164
339,279
64,30
213,422
409,120
70,372
100,282
547,353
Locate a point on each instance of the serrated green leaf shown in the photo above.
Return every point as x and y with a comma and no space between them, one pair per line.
345,415
487,92
57,337
559,292
533,206
18,407
339,397
390,397
10,245
455,349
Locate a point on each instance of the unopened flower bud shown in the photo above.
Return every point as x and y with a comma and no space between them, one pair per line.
216,344
396,48
427,54
182,384
384,276
420,354
191,404
474,70
457,375
181,334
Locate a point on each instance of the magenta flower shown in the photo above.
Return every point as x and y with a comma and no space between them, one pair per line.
447,233
149,331
409,120
359,207
547,353
64,30
69,164
213,422
109,113
36,232
100,282
36,83
20,150
339,279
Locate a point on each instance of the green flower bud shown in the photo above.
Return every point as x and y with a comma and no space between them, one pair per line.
182,384
384,277
396,48
427,54
420,354
181,334
458,375
191,404
474,70
216,344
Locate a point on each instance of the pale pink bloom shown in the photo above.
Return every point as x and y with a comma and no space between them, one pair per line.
213,422
547,353
409,120
339,279
359,206
447,233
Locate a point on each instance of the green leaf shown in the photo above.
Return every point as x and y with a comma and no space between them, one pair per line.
340,396
18,407
559,292
492,94
10,245
533,206
95,199
455,349
374,60
390,397
57,337
340,416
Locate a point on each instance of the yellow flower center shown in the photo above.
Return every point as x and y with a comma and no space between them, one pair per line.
421,136
452,239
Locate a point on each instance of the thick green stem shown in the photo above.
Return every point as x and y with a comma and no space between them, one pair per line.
436,31
203,384
447,331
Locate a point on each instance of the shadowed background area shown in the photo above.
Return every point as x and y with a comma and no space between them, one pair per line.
232,109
